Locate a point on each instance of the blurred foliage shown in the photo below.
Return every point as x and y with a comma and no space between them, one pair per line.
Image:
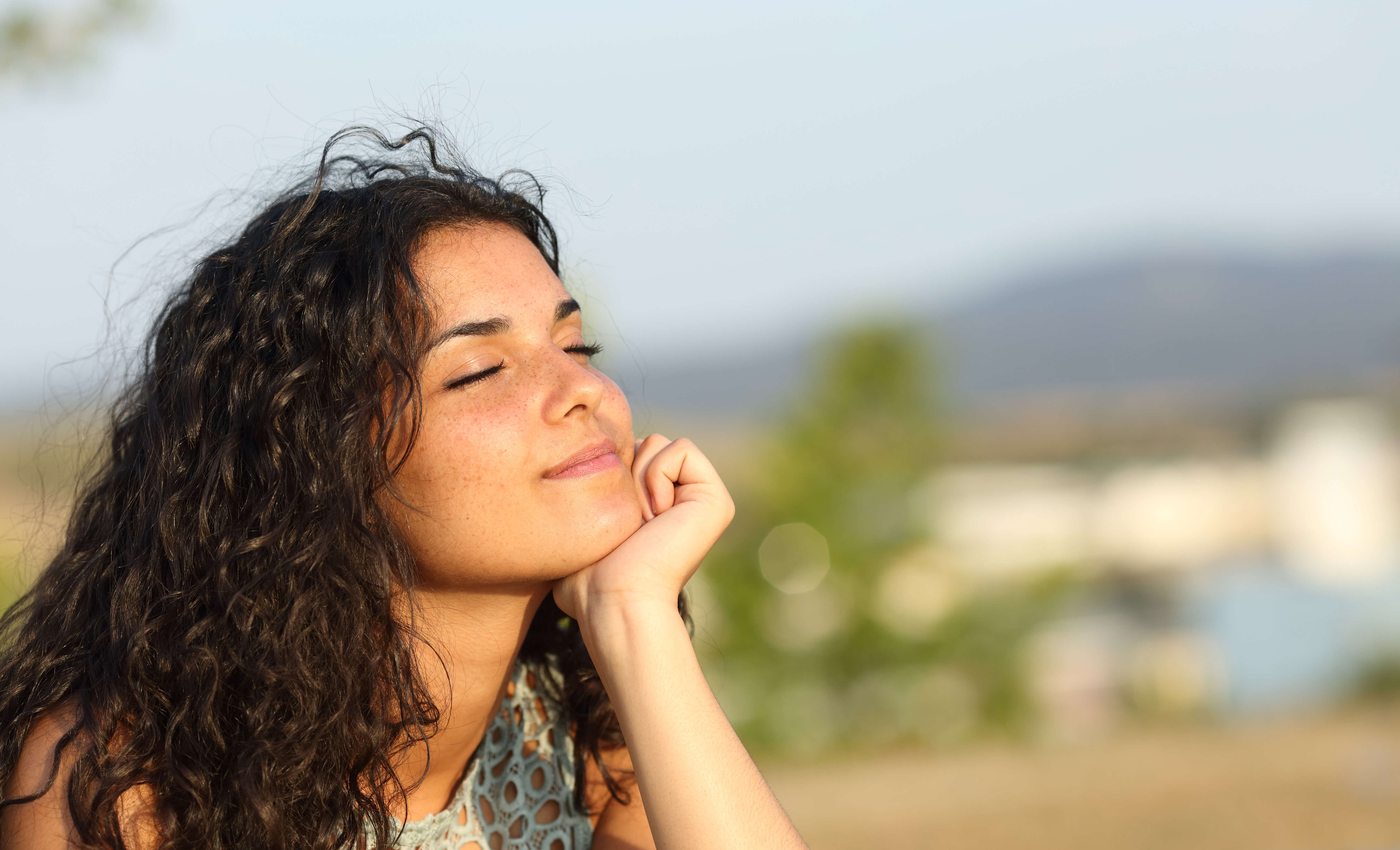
39,41
10,590
41,462
1378,680
810,664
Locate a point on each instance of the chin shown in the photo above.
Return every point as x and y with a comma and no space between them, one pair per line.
595,536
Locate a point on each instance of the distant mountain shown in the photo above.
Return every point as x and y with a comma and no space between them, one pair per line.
1202,328
1247,325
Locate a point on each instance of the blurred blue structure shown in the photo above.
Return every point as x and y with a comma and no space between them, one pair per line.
1287,643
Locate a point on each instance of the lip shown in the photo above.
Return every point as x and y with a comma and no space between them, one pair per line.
596,458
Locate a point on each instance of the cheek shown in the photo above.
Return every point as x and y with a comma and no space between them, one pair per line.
484,513
616,416
458,481
468,458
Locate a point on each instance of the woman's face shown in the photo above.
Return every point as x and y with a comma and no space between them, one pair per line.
520,472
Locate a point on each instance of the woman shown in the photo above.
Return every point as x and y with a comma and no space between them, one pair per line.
374,560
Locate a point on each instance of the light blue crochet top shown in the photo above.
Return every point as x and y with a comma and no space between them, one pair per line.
518,791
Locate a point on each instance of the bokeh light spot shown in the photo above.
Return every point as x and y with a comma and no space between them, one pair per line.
794,558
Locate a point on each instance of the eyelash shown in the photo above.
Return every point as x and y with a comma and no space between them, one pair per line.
586,349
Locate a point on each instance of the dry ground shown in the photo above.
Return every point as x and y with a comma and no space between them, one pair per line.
1319,783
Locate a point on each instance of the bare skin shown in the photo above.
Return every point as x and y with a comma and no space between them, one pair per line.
525,479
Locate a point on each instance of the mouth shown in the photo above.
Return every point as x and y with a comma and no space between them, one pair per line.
599,457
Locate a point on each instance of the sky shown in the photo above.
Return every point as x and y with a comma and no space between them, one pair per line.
724,174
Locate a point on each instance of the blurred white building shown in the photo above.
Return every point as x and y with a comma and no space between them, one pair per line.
1005,521
1336,492
1180,515
1013,520
1326,499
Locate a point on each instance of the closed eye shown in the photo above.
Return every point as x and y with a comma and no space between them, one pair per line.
474,377
586,349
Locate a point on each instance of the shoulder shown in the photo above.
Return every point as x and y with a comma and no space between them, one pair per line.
41,775
45,821
616,823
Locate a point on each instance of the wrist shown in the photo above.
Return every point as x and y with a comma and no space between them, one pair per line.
615,624
608,604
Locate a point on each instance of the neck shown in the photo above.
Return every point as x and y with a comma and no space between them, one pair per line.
472,640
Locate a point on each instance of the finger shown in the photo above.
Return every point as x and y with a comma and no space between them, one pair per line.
647,449
679,464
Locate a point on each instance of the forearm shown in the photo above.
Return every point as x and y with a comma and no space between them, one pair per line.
699,786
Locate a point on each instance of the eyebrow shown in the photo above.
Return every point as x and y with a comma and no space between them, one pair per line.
566,308
500,324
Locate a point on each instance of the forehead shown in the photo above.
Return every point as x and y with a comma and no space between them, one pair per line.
485,270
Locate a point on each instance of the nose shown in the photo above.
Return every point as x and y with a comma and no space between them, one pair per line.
574,388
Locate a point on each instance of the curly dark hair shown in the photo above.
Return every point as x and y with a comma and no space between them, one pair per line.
218,623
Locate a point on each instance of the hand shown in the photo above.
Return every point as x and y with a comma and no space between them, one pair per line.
685,508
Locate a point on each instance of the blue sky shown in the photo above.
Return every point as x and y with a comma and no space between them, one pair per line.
725,172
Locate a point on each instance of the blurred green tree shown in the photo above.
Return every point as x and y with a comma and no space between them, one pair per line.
39,41
839,625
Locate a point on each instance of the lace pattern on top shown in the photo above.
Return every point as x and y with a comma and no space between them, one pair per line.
518,792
